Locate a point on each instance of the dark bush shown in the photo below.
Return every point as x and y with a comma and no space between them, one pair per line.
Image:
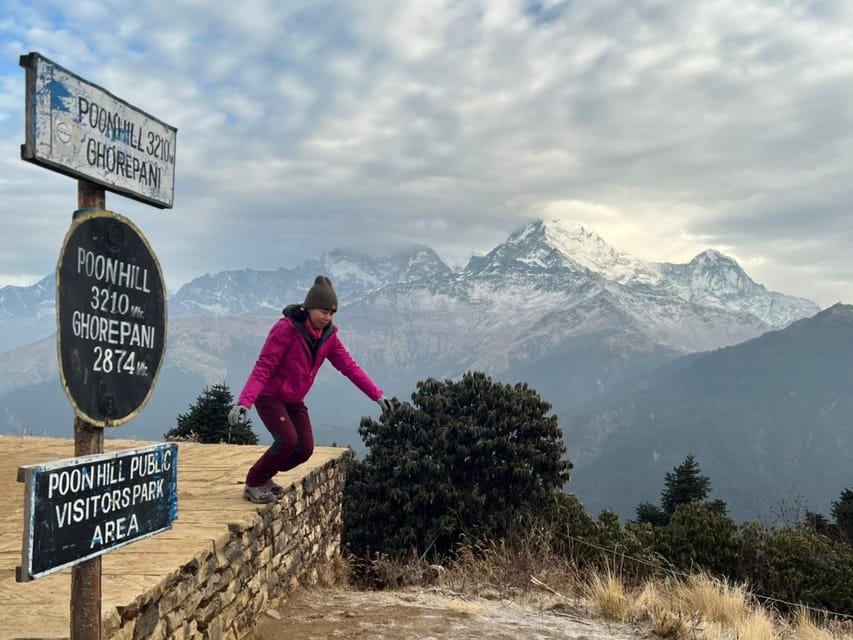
699,538
796,565
467,459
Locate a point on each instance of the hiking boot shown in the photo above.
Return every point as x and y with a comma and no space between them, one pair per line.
274,488
260,495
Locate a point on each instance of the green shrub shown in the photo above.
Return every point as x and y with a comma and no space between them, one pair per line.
796,565
699,538
467,459
842,511
572,527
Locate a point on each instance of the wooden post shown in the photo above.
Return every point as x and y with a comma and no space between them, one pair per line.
88,438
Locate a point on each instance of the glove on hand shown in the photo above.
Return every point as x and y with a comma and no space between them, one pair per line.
385,405
238,414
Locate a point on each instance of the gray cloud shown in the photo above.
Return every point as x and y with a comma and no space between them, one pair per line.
668,127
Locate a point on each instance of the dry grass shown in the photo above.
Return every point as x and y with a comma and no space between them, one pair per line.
652,603
670,625
607,596
808,628
758,624
712,599
647,599
465,608
334,572
704,607
699,607
504,569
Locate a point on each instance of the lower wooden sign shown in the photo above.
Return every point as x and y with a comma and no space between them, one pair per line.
79,508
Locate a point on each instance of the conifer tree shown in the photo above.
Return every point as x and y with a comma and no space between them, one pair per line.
685,484
207,420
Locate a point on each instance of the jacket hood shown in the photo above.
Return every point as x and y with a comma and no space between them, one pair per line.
295,311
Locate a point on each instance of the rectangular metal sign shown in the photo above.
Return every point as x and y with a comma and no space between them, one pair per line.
79,508
79,129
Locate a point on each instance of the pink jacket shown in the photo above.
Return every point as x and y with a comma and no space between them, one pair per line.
286,369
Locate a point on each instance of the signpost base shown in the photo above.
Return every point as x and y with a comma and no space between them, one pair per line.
86,576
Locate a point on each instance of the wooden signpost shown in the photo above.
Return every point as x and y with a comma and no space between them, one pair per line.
111,337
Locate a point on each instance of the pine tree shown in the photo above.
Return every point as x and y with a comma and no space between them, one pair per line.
683,485
207,420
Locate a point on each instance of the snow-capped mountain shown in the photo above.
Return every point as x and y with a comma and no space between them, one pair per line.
553,246
547,263
715,280
248,292
554,306
540,269
711,279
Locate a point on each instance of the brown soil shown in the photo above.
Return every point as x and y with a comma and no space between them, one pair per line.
425,614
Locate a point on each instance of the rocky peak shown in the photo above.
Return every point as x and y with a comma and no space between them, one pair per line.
538,247
712,273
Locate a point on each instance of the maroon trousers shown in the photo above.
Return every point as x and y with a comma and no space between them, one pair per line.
293,439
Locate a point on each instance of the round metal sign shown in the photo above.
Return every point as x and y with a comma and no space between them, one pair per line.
111,318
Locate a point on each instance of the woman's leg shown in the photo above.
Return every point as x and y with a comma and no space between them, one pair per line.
304,436
284,434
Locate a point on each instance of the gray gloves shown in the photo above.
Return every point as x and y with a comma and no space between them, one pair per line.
238,414
385,405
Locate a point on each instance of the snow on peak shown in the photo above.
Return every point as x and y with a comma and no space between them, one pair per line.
714,273
525,249
566,245
712,257
588,249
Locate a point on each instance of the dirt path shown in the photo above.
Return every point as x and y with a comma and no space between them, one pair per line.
421,614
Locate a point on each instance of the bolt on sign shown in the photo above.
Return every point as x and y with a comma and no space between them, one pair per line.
79,508
79,129
111,318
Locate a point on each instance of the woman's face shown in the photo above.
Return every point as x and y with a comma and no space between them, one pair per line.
320,317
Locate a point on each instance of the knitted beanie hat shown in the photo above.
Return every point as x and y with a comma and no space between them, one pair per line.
321,295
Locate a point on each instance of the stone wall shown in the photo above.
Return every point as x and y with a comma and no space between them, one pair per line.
221,593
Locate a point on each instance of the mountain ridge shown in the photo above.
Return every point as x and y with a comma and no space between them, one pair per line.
539,247
411,315
769,420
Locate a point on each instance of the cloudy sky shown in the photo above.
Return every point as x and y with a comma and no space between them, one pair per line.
666,126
